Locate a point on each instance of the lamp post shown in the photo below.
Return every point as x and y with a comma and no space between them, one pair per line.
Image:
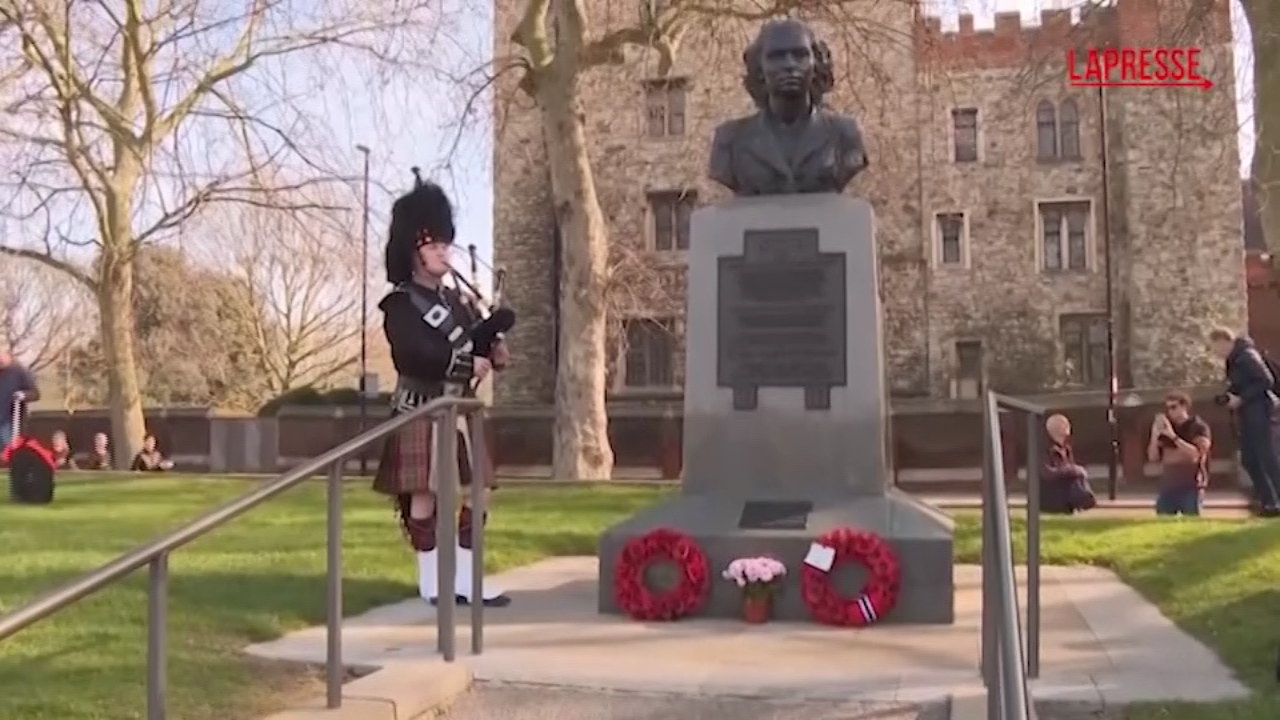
363,390
1113,375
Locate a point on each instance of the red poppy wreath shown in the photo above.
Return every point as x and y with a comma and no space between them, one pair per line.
877,596
661,546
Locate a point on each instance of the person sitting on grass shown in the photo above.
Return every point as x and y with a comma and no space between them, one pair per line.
60,449
1065,488
100,458
149,458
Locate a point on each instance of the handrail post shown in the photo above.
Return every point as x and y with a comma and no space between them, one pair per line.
334,669
444,474
1033,546
481,480
989,599
157,606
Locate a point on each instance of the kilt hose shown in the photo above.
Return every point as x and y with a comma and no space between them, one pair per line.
404,470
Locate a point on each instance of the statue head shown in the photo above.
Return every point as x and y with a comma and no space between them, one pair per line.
787,60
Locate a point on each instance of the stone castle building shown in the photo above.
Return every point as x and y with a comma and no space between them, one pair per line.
1003,195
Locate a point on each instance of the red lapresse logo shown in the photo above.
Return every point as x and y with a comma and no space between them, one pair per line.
1136,67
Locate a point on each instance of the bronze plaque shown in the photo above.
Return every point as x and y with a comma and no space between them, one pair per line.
781,318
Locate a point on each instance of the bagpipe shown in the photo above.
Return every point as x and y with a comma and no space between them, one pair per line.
31,466
495,319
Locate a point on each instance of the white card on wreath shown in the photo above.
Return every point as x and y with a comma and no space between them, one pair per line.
820,556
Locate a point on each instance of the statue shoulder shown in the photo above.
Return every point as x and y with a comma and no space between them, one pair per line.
843,125
729,131
848,136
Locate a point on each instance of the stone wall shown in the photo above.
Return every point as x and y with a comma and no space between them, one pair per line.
1172,191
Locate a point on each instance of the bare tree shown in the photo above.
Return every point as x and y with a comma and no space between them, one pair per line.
1264,26
301,273
124,119
41,314
653,297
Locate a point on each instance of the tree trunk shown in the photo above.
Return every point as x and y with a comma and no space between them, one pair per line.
1264,21
115,312
581,432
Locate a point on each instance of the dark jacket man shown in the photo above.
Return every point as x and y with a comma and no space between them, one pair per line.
1248,376
1249,394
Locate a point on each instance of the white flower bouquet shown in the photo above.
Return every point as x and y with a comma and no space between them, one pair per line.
757,576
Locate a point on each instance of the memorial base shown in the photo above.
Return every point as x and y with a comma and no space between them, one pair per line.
919,533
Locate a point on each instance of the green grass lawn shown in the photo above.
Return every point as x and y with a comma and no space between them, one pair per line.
263,575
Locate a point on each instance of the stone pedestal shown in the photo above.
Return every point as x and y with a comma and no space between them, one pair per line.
785,405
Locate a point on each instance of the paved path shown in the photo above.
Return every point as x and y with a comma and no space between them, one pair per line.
1218,505
505,701
1102,644
490,701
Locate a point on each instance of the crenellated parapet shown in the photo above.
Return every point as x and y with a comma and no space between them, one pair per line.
1013,42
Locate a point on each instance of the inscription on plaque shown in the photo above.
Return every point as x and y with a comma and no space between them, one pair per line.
781,318
775,515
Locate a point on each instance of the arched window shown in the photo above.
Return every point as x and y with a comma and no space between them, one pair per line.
1046,131
1069,129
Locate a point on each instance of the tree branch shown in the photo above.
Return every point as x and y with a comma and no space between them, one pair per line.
62,266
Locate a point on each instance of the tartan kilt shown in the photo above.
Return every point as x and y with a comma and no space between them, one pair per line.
405,465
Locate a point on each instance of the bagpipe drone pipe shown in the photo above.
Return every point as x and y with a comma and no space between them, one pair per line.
31,466
495,319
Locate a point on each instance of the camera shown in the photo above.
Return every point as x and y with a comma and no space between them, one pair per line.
1222,400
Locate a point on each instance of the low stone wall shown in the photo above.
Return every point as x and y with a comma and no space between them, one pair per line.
932,438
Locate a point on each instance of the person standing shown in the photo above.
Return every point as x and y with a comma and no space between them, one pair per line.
17,389
428,327
1180,442
1250,393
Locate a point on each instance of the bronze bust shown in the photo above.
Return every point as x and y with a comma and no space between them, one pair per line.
792,144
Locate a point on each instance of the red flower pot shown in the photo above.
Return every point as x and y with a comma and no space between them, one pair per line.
755,610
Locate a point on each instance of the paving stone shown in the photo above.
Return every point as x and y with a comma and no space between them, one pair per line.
499,701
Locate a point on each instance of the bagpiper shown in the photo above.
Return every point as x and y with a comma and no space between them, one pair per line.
428,326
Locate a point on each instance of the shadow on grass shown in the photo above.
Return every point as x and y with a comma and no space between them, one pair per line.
545,543
261,607
1245,634
253,607
85,477
45,661
197,687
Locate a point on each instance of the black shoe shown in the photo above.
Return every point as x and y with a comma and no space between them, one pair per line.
498,602
1269,512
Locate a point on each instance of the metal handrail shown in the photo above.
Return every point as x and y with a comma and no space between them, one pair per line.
1005,668
155,554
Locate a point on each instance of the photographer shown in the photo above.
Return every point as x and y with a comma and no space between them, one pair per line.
1180,442
1250,393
